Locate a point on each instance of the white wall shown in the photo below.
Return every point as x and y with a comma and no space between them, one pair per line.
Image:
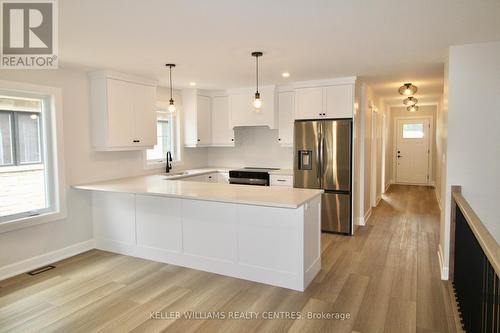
388,147
369,102
473,135
255,146
357,181
82,165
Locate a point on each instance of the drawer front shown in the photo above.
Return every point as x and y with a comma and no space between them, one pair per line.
281,180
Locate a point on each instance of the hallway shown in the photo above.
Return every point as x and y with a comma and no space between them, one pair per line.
386,278
392,262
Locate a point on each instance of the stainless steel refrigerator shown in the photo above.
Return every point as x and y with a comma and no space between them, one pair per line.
322,160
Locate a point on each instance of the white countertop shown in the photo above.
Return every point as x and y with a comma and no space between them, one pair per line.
158,185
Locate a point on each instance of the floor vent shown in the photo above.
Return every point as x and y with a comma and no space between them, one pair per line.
41,270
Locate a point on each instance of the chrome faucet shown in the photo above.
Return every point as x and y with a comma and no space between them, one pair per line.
169,165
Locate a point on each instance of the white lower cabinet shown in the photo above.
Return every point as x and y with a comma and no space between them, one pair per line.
281,180
223,177
272,245
200,178
212,177
158,223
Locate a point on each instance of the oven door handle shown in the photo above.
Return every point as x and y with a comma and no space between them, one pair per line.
248,181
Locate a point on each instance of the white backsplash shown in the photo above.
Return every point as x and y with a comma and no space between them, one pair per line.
255,146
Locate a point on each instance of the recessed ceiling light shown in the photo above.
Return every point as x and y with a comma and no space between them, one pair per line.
192,84
285,74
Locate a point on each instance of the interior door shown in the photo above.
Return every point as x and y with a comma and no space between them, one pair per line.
336,155
412,150
306,154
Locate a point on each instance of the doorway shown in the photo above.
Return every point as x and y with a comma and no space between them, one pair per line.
412,150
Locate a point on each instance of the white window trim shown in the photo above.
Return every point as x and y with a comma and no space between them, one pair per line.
56,147
152,164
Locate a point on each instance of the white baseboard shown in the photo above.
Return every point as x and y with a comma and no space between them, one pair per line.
45,259
367,216
361,221
378,201
443,269
387,187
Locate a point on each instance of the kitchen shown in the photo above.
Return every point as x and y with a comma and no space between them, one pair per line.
321,113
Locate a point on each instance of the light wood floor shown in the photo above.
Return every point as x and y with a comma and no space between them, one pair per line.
386,277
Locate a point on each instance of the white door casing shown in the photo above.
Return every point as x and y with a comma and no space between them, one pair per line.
412,150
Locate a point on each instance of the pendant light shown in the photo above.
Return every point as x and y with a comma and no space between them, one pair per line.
257,103
412,108
408,89
410,101
171,106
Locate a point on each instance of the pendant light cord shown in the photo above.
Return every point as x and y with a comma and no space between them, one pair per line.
257,72
170,67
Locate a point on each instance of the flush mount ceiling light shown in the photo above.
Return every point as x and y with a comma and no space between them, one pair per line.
257,103
410,101
412,108
285,74
408,89
192,84
171,106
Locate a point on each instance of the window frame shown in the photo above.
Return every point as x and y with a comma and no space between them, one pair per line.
52,142
162,107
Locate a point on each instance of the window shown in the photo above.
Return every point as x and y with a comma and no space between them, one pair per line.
20,138
413,131
24,174
166,131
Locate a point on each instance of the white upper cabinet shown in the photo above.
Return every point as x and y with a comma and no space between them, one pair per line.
309,103
197,118
329,99
243,113
222,132
286,110
123,111
339,101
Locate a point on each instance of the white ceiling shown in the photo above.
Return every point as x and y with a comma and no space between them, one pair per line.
387,42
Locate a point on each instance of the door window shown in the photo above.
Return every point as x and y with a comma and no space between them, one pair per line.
413,131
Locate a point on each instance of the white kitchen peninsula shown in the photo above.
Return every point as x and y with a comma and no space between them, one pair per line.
259,233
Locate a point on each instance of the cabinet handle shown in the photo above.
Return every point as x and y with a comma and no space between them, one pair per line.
136,140
281,180
279,139
232,139
199,140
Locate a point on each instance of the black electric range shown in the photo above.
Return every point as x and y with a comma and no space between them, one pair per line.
250,176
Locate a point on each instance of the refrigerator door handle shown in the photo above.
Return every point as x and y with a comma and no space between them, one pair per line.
321,155
318,159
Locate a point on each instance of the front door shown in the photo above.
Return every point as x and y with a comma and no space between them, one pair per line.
412,150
